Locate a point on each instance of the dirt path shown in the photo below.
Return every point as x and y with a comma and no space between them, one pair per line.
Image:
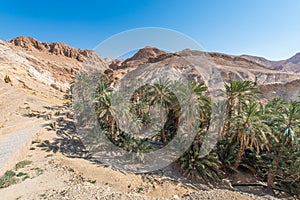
14,145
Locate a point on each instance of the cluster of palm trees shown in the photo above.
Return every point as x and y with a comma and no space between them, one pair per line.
262,136
141,102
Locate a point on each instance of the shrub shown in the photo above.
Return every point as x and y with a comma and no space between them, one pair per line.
22,164
8,179
7,79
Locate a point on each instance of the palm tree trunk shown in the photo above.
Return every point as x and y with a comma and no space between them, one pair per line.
163,134
228,115
241,150
112,128
272,172
270,181
239,156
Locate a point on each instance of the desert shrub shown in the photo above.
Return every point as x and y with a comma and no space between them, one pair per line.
22,164
7,79
8,179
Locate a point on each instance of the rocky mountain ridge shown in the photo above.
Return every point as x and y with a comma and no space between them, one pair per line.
56,64
290,64
57,48
272,82
52,64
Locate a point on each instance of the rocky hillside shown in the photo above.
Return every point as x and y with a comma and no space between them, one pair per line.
48,64
183,64
36,74
56,48
291,65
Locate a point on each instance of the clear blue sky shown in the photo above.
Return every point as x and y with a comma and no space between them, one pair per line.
269,28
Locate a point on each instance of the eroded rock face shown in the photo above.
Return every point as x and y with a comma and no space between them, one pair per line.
288,90
29,43
39,63
57,48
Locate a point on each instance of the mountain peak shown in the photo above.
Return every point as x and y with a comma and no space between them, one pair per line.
295,59
297,54
141,56
28,43
145,53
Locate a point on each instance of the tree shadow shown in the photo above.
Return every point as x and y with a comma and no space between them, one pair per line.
67,141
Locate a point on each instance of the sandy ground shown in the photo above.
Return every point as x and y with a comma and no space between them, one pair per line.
55,176
60,173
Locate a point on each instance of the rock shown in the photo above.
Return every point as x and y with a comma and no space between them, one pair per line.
54,86
56,48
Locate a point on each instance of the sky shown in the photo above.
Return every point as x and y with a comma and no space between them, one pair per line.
267,28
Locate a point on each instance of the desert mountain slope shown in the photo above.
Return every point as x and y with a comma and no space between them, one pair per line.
33,64
292,64
33,79
34,75
53,64
189,64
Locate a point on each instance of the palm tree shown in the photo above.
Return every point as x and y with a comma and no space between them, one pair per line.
161,94
239,94
204,102
104,109
284,118
82,94
141,103
250,130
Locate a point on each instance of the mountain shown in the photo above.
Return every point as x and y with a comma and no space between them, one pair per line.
52,64
192,64
291,65
50,67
